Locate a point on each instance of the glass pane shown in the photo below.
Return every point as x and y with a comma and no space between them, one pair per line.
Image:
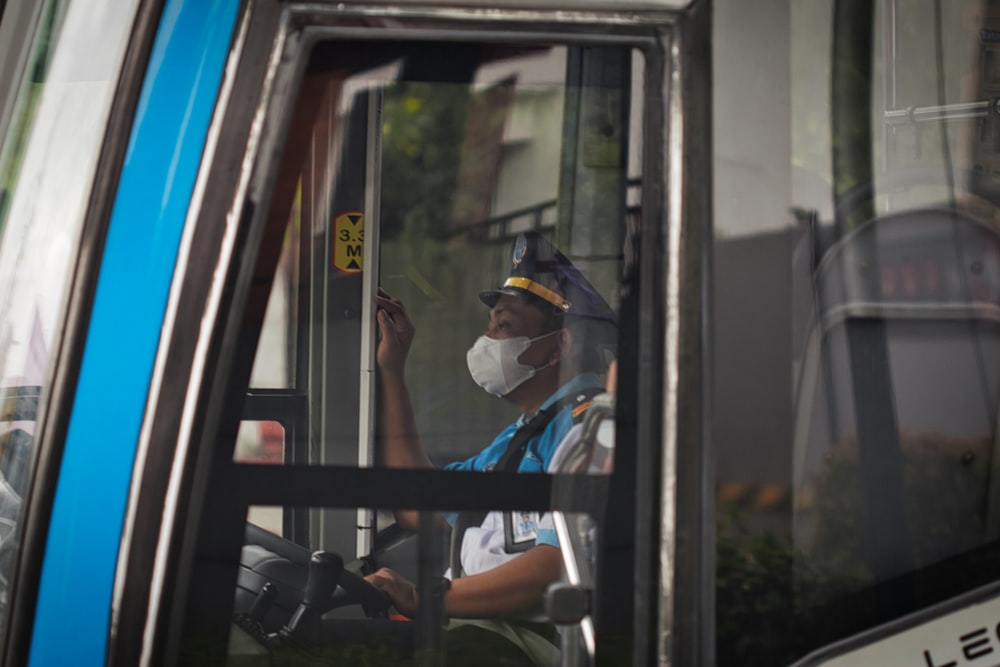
531,145
481,196
47,161
276,363
260,442
857,285
451,231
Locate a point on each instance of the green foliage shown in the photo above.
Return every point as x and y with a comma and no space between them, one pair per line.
778,598
423,126
944,499
755,599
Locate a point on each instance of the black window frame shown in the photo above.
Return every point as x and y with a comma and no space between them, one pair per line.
235,185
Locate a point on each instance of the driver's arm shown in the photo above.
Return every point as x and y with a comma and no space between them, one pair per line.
399,444
518,585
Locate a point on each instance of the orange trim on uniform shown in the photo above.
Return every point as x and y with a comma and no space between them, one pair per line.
538,290
580,409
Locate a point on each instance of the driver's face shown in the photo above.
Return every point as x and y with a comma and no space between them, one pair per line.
512,317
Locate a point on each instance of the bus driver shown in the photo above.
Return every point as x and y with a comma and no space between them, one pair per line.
542,352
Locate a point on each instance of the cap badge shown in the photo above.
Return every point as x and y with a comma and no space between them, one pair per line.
520,246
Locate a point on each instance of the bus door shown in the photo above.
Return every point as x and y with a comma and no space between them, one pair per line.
424,160
415,155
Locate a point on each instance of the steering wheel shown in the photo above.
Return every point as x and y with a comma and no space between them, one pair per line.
277,577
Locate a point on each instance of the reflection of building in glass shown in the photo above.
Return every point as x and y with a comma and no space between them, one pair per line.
896,402
982,26
511,148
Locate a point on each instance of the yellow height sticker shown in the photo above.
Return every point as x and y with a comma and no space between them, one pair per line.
349,242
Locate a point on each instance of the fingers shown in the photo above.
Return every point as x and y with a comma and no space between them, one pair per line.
384,320
379,578
394,309
396,330
399,589
399,326
383,576
385,300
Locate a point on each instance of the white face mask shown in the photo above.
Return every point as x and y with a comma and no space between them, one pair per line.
494,366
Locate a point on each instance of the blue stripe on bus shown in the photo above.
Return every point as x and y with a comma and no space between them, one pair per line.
178,97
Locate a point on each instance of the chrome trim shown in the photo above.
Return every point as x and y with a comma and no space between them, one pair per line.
369,289
561,6
264,134
674,131
471,34
573,551
573,15
951,112
576,576
687,572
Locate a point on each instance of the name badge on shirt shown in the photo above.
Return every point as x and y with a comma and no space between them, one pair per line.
520,531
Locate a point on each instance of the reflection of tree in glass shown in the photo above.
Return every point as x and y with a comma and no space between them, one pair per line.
944,489
424,140
754,595
421,145
776,601
10,157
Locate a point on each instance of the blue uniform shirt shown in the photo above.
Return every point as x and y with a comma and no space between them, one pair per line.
539,451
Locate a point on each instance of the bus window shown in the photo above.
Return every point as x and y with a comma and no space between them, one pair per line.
451,162
442,254
857,340
53,114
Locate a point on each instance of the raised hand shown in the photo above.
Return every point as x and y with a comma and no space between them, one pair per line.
396,330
